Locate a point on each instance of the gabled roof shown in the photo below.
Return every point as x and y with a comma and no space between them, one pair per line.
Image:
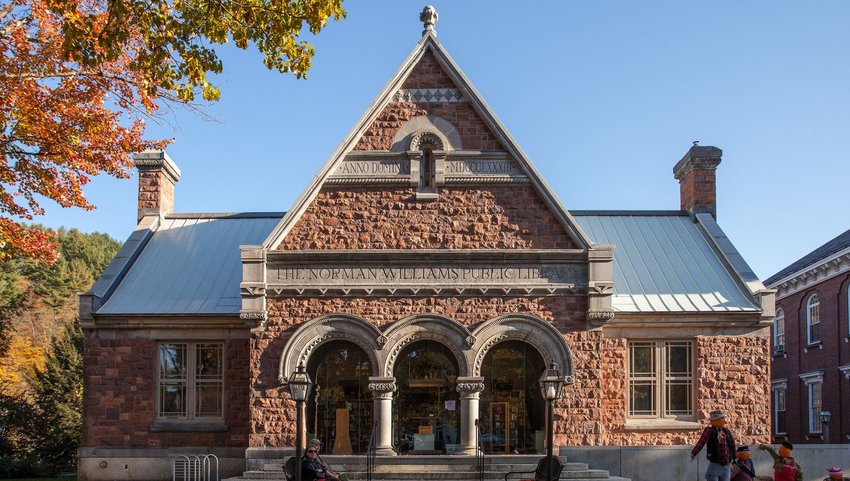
841,242
190,265
663,262
428,43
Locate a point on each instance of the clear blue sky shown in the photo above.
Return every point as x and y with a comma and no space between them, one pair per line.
603,96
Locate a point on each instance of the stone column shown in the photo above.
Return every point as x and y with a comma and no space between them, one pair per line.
469,389
382,408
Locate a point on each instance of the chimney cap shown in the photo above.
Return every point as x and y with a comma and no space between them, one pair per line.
155,159
697,157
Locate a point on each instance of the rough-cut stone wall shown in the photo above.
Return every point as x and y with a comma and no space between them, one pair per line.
120,390
492,217
428,74
156,192
732,374
273,414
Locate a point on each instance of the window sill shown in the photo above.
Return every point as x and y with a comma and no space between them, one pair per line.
188,426
427,196
814,345
660,425
778,354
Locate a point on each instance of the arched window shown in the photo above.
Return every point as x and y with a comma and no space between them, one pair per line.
779,332
428,143
813,319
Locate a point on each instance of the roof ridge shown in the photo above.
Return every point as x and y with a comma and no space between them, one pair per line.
225,215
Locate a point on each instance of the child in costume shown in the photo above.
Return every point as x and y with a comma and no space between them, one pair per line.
785,467
742,468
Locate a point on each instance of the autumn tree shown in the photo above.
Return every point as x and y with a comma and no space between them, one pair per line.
79,77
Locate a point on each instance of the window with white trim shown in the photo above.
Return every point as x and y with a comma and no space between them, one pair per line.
191,381
814,390
779,390
779,332
661,379
813,319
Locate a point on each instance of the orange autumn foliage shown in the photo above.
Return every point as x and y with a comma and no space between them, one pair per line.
78,77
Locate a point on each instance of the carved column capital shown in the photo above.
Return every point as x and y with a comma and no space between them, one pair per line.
470,387
382,387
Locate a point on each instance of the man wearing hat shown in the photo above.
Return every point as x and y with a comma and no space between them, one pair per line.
742,468
721,448
316,445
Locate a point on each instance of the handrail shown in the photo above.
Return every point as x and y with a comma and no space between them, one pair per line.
479,453
370,453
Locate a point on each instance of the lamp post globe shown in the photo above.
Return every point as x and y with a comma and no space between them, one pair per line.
299,390
551,387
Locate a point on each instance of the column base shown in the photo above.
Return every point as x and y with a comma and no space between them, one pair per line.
385,451
470,451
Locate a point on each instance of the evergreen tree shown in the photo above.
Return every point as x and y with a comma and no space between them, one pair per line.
58,396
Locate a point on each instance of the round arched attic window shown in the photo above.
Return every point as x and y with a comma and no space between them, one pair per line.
427,143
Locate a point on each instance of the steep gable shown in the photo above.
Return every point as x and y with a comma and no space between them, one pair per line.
485,194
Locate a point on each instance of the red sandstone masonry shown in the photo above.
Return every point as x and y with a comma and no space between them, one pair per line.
429,74
273,414
120,391
493,217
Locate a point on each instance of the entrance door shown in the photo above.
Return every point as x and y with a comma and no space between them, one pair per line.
512,411
340,373
425,414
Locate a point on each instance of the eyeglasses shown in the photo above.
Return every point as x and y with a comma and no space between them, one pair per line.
311,451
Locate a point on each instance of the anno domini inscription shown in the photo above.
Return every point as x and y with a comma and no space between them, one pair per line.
528,275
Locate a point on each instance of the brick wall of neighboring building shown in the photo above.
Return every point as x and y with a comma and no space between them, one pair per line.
492,217
799,358
428,74
120,396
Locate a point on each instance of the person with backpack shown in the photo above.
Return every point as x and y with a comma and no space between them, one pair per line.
720,448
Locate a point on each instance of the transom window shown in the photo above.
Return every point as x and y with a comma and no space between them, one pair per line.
813,319
661,379
779,332
191,381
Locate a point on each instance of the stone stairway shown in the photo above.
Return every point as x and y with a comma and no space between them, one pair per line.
424,468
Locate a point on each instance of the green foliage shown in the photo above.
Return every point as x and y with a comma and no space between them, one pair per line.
58,393
82,257
41,431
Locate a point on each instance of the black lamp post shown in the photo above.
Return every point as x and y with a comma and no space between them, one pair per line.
551,386
824,419
299,390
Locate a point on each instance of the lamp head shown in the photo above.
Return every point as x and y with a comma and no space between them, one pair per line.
824,416
551,383
299,384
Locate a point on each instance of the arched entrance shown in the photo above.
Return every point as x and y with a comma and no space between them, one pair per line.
340,372
512,410
425,414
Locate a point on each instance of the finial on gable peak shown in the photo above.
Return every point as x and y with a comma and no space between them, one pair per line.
429,17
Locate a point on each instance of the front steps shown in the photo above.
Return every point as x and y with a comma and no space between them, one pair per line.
426,468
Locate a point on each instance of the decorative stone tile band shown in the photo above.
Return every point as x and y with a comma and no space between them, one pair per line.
429,95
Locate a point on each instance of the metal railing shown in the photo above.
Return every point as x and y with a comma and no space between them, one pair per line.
370,453
479,453
195,467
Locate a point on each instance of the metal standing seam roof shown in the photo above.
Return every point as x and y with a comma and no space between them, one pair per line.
191,265
663,263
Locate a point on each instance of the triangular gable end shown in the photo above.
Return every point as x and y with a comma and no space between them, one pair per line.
427,73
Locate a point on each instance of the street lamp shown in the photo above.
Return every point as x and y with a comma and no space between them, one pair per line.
824,420
299,389
551,386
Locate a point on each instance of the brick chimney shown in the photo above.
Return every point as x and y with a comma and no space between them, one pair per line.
697,181
157,176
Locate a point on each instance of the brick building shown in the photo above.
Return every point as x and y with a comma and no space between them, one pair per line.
811,354
424,278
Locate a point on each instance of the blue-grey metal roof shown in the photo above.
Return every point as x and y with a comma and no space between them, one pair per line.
664,263
191,265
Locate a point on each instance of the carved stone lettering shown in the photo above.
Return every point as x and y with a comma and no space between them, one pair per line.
482,167
474,275
371,168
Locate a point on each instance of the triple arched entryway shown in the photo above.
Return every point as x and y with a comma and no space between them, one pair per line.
424,382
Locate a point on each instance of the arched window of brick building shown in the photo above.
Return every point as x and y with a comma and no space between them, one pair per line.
813,319
779,332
